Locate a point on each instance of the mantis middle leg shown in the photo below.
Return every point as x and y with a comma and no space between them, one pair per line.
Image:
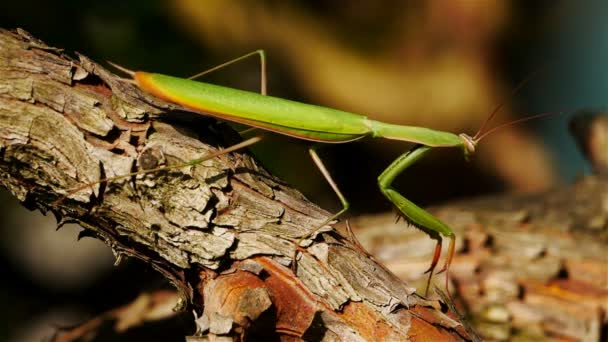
345,205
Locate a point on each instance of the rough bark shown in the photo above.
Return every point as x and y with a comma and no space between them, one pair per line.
224,232
528,267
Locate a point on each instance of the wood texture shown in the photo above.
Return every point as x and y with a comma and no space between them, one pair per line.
223,232
528,267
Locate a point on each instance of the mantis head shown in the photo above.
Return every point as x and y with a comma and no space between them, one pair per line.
469,144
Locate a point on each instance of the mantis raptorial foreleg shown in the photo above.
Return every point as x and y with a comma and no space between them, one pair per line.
412,213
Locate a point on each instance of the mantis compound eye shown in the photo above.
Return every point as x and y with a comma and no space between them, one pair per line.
469,144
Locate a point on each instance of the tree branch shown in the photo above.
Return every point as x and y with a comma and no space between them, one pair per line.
527,267
223,232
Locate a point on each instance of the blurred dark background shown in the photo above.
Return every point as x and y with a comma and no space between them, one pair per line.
441,64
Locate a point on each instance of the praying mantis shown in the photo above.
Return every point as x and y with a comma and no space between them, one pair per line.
318,125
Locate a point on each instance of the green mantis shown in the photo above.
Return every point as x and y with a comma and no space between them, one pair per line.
316,124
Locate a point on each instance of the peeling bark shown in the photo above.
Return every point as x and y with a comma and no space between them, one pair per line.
527,267
223,232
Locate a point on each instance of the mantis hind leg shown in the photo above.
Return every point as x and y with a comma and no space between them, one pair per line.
415,215
263,79
235,147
